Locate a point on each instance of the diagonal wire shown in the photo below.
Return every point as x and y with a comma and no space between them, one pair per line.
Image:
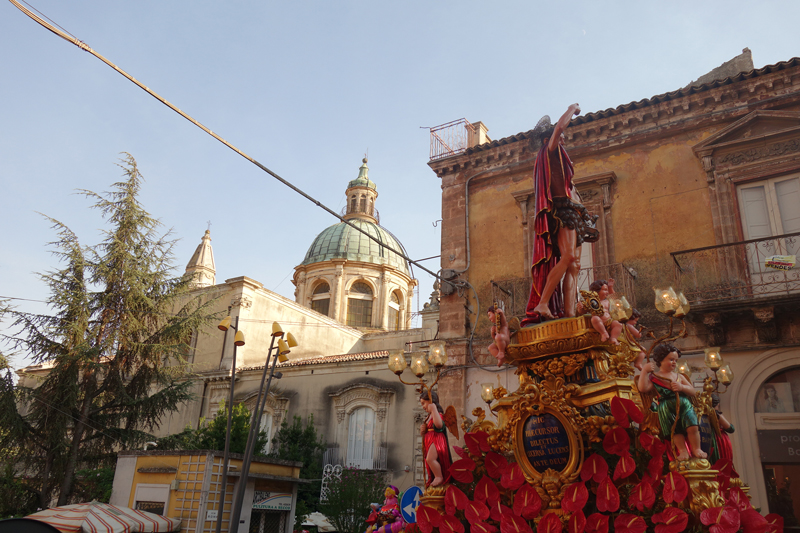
83,46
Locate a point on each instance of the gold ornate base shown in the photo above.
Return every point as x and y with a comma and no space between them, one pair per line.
702,484
434,497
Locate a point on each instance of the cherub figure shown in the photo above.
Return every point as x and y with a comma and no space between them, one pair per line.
672,391
434,441
501,334
608,329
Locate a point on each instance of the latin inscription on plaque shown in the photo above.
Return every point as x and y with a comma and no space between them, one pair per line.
545,442
706,435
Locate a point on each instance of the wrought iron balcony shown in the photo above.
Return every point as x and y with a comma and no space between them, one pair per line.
333,456
514,293
737,272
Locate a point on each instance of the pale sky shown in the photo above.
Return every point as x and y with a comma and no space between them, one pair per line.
307,88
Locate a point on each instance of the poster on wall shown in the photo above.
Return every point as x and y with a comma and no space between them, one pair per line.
775,398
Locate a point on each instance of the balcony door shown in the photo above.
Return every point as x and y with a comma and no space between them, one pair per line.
771,208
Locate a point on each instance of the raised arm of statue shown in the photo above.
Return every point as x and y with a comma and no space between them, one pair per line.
562,124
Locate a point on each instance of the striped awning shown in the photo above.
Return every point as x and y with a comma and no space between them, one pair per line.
96,517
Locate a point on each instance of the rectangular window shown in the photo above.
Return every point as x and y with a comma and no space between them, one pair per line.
151,507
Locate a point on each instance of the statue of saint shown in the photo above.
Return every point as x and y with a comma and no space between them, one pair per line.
561,225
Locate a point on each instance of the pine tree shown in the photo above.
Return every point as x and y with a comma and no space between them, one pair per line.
115,345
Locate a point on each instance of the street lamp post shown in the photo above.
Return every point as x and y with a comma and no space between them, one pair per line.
237,341
280,353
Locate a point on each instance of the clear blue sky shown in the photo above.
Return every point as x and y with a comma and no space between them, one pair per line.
307,88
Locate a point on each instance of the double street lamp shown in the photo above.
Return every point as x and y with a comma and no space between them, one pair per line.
278,353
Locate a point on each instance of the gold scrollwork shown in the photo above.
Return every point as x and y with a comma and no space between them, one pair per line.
566,365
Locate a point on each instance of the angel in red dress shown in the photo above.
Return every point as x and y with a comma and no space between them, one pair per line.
434,441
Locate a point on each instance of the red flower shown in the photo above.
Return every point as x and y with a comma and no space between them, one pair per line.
642,496
477,442
629,523
655,468
497,510
527,502
577,523
625,411
513,478
481,527
462,469
753,522
625,467
594,467
454,499
597,523
427,518
775,522
721,519
575,497
486,491
725,468
461,452
653,445
607,496
550,523
675,488
617,442
671,520
496,464
514,524
476,511
737,498
450,524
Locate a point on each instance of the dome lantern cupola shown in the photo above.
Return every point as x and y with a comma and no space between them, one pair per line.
361,194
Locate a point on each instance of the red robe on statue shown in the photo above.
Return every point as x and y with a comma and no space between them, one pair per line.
438,438
545,249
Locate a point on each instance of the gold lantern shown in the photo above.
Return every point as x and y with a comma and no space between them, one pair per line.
437,354
683,306
487,392
724,375
713,358
397,361
419,366
667,301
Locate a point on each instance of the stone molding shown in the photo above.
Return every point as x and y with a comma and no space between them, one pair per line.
347,399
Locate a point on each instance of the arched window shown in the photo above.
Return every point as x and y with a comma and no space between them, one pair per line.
360,438
359,305
394,311
321,298
353,203
363,204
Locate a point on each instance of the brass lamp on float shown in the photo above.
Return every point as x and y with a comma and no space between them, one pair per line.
683,306
419,366
437,354
666,300
683,368
487,392
397,361
619,309
725,375
713,358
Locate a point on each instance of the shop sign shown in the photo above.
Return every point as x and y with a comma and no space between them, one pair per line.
779,445
272,501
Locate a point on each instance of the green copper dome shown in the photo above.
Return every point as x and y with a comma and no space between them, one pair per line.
340,241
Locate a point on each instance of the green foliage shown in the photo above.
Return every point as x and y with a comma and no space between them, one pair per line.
115,341
94,484
212,436
299,442
17,498
349,497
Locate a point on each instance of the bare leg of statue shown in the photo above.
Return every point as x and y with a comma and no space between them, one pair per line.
570,258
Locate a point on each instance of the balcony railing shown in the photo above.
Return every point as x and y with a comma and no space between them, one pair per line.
336,456
514,293
737,271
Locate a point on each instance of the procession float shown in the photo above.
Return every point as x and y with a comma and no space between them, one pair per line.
581,445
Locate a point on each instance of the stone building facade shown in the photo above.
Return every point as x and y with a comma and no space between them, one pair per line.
694,188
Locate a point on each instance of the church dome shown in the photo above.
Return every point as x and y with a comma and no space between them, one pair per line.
341,241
